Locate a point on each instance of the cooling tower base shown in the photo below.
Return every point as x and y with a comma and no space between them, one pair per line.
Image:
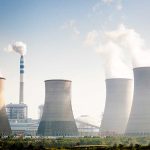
4,123
57,128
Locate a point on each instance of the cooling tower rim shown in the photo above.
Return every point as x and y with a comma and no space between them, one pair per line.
138,68
63,80
118,79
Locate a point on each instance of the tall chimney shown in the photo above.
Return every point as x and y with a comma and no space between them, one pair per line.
21,98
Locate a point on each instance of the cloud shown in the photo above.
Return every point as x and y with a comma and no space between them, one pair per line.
107,1
71,25
119,7
117,3
95,7
91,38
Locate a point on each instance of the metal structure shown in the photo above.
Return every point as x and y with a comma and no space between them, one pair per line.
117,106
21,95
57,118
4,123
139,120
17,112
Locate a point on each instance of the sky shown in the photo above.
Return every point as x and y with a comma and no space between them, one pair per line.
64,41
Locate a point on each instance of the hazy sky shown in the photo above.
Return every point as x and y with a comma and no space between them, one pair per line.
61,38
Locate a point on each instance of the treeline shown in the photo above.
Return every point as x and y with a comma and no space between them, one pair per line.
105,143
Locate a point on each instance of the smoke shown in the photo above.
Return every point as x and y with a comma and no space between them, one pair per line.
91,38
1,75
18,47
121,50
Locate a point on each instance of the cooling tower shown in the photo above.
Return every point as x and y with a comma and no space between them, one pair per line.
117,106
4,123
139,120
57,118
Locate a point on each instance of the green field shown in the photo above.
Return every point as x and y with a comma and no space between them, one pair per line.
104,143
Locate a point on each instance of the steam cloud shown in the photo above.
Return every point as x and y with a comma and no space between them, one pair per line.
18,47
1,75
122,49
130,43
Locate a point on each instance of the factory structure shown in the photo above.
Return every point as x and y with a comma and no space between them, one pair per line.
139,120
57,118
126,109
117,106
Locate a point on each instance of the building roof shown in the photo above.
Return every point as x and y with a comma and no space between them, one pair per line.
16,105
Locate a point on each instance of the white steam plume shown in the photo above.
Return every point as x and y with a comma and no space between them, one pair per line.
1,75
117,63
18,47
131,44
122,49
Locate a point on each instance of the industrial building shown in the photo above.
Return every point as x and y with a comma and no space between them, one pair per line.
4,123
17,112
28,128
117,106
57,118
139,120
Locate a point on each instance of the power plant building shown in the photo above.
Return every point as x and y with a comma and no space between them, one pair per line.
139,121
117,106
57,118
4,123
17,112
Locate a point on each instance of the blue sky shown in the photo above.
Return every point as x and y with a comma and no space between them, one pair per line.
55,33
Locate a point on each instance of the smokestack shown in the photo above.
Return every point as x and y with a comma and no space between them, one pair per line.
117,106
139,121
20,47
57,118
21,93
4,123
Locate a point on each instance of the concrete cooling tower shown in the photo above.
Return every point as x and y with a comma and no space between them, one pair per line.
139,121
57,118
117,106
4,123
